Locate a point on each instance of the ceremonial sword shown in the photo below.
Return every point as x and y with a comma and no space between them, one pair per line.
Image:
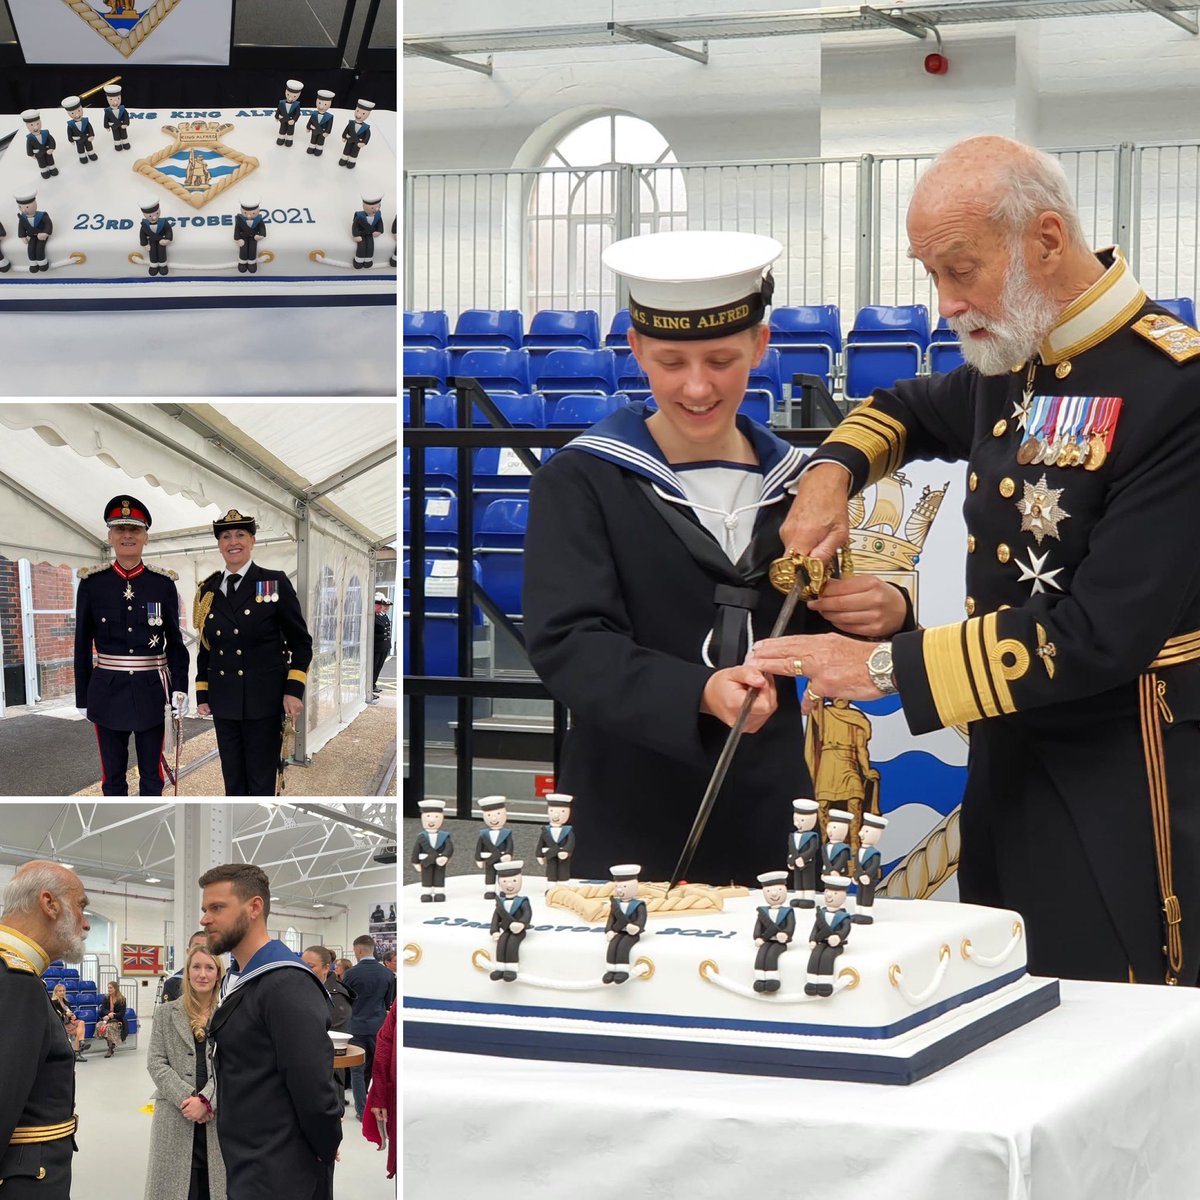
806,577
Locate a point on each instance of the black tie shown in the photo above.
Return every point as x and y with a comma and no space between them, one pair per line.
231,588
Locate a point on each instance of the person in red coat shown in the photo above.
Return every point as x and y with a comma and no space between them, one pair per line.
381,1099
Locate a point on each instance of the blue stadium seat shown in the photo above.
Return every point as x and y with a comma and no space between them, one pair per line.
631,379
488,329
441,614
441,468
428,361
441,520
498,474
575,411
131,1021
944,357
439,410
1183,307
429,328
522,412
887,343
564,371
556,328
764,385
809,340
497,370
500,553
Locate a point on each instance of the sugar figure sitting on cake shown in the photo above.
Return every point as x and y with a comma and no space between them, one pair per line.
34,229
828,938
5,264
249,228
774,928
39,142
155,232
868,871
556,842
79,129
510,920
287,112
392,260
116,116
835,852
320,123
804,852
365,228
356,134
432,850
626,920
495,844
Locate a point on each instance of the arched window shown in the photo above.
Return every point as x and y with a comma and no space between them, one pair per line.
581,200
351,672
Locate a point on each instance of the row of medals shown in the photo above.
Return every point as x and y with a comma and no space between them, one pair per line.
1084,440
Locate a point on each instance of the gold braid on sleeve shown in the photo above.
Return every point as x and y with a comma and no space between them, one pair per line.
200,606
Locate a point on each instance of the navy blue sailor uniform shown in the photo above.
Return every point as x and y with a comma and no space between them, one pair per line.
156,234
1078,666
254,650
822,958
5,264
804,852
622,914
28,229
117,119
368,229
132,619
489,850
41,146
354,137
510,911
37,1096
82,132
287,113
320,125
245,231
835,858
553,840
870,864
427,849
768,925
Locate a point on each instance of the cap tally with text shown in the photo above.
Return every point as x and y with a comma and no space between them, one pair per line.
514,866
805,806
767,878
234,520
125,510
837,883
625,871
874,821
559,800
490,802
690,284
840,814
432,805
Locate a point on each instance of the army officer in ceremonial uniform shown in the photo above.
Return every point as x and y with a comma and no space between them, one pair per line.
128,611
44,920
1078,664
253,659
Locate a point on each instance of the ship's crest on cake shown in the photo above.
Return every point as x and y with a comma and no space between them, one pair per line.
123,24
198,166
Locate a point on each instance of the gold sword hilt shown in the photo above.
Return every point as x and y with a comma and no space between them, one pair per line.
813,573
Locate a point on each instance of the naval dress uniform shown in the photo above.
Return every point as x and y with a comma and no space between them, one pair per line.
554,840
254,650
1077,666
622,914
246,231
37,1079
803,855
116,118
320,126
28,230
131,618
5,264
509,911
366,229
156,233
354,137
770,922
82,132
828,923
40,147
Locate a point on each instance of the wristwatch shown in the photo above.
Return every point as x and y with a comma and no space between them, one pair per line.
879,664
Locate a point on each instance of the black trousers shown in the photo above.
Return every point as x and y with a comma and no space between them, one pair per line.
198,1189
158,252
37,249
377,666
249,754
114,759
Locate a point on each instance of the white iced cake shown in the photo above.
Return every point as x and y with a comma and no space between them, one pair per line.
923,985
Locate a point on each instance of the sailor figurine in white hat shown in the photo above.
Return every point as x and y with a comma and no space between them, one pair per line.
432,850
287,112
774,928
155,232
249,228
835,852
79,129
868,870
510,920
116,116
34,228
804,852
831,928
365,228
626,921
320,123
556,842
39,142
356,134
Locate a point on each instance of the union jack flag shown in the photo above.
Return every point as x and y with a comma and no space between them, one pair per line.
141,960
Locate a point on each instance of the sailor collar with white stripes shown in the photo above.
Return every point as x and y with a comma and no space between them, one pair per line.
623,439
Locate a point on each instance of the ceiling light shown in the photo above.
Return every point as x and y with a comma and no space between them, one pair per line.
318,904
153,879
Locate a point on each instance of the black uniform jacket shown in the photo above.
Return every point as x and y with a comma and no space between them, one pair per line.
37,1078
619,920
623,593
279,1111
424,849
521,914
41,223
113,611
1078,661
252,652
767,928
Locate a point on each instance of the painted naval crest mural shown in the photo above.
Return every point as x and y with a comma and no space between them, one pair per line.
124,24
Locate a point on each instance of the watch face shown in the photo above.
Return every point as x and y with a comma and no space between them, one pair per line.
881,659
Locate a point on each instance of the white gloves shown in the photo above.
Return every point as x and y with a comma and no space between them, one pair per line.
179,705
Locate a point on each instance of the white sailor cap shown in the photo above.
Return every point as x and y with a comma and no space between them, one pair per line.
805,806
249,204
874,821
112,89
373,198
490,802
561,799
514,866
31,114
325,94
369,105
838,883
769,877
625,871
26,197
150,205
294,85
432,805
686,285
381,598
840,814
70,102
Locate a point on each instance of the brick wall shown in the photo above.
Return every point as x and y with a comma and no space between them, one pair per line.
54,633
10,610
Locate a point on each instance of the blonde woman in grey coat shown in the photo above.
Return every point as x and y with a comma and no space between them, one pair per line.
185,1157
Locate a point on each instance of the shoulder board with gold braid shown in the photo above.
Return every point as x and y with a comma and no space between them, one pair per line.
201,604
1174,338
15,962
162,571
87,572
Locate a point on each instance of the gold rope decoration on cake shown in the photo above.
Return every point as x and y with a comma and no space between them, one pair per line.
148,23
928,864
591,901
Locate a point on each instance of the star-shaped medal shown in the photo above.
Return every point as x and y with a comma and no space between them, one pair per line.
1040,510
1020,412
154,640
1033,571
129,591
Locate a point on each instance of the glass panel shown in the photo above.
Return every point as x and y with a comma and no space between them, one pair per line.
351,669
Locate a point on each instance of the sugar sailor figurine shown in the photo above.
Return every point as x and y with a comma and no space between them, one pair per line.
116,116
249,228
804,853
868,870
626,921
356,134
39,142
774,928
79,129
432,850
320,123
34,229
5,264
828,938
156,232
835,852
495,844
510,921
556,842
365,228
287,112
392,260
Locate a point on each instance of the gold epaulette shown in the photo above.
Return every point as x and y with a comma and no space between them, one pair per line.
162,571
84,572
1173,337
15,962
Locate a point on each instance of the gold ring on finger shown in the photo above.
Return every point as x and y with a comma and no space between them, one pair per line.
798,666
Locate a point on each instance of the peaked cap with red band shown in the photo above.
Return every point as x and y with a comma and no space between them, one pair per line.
125,510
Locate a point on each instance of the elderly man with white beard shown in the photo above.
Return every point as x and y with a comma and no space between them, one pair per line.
43,920
1078,666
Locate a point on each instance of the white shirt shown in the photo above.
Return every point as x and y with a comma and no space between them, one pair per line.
724,497
239,573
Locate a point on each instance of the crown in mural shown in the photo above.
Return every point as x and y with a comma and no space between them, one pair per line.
875,540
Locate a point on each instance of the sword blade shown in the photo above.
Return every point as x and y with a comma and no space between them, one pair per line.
728,750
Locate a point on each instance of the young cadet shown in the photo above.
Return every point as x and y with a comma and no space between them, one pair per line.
650,538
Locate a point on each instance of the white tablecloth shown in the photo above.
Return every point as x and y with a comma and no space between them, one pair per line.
1097,1100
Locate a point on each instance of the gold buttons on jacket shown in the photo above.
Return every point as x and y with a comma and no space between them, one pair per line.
1063,369
247,613
222,672
239,652
970,606
1003,553
1007,488
239,672
1000,428
973,481
1019,367
221,653
970,543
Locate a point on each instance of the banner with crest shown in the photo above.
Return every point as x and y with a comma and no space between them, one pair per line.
105,32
